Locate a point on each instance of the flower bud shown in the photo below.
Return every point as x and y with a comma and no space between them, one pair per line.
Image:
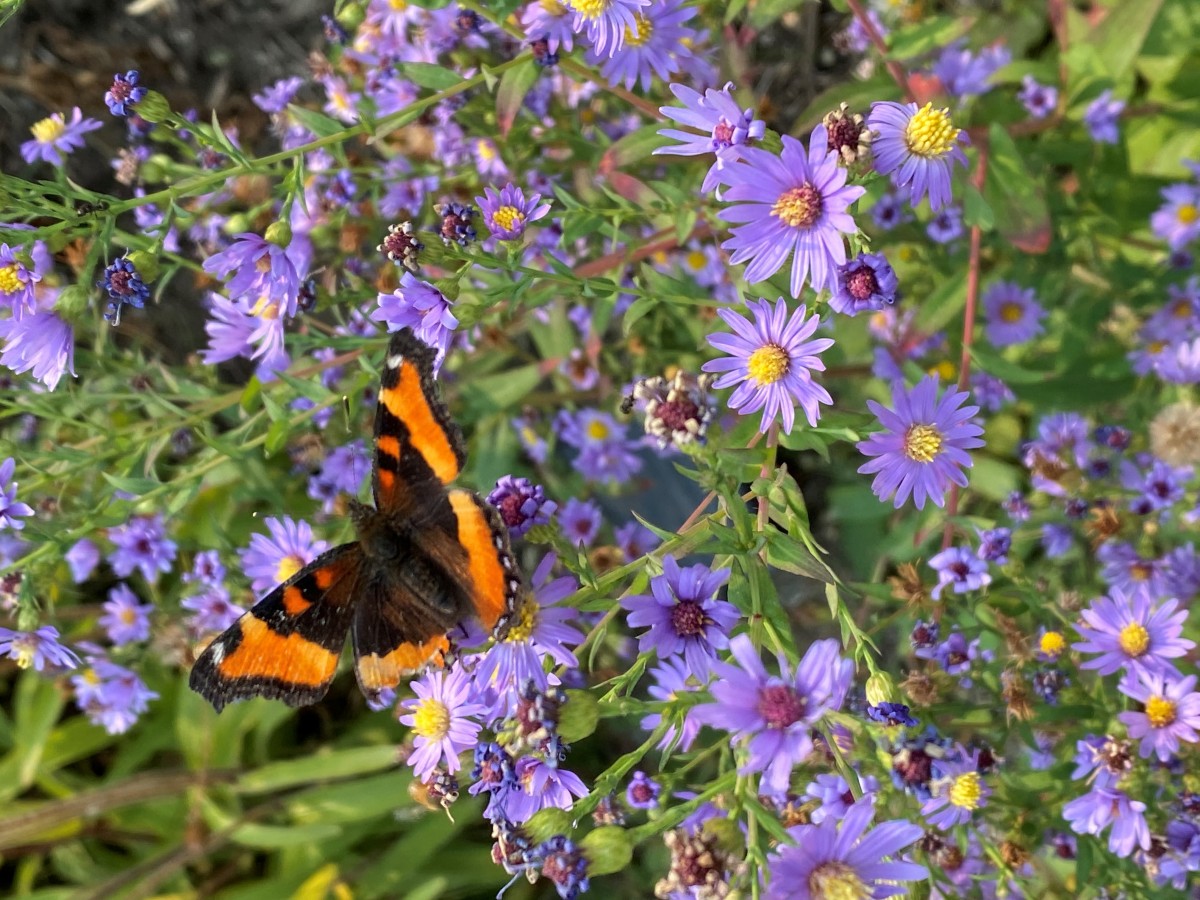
153,107
578,717
608,849
880,688
146,264
279,233
726,835
236,223
72,303
545,823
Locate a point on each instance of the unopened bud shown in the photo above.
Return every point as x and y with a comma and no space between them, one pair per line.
146,264
546,823
578,717
153,107
880,689
279,233
608,849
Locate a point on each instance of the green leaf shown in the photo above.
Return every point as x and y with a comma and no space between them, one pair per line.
317,767
1016,197
511,94
637,146
317,122
130,484
976,212
427,75
1122,32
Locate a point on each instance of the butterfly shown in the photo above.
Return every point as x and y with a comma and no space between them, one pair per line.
429,558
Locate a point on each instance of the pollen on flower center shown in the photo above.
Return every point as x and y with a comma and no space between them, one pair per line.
128,615
508,217
835,880
930,132
723,132
862,283
288,566
48,130
10,279
431,719
1011,312
798,207
1052,643
966,790
768,364
597,431
553,8
640,33
922,443
590,9
1134,639
696,260
26,651
1188,213
688,618
524,621
780,705
1160,711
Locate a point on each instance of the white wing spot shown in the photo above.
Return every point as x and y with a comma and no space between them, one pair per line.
218,652
393,362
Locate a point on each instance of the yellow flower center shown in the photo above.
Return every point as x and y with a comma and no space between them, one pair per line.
944,370
590,9
553,8
696,260
966,790
486,151
265,308
525,619
398,5
768,364
10,280
432,719
930,133
25,652
922,443
641,32
1134,639
1188,213
835,880
288,566
48,130
1160,711
597,431
508,217
1011,312
128,615
798,207
1182,309
1052,643
91,677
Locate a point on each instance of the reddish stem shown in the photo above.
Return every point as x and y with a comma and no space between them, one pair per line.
894,68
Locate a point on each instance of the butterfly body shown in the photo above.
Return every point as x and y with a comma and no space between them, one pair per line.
427,559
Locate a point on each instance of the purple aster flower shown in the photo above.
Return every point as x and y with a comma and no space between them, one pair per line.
422,307
344,471
643,791
11,510
269,561
918,148
834,794
635,540
276,97
124,284
562,864
923,448
232,332
206,569
829,861
142,544
538,628
1057,539
1038,99
964,73
793,203
456,227
580,521
607,22
507,213
994,545
263,272
40,342
1013,314
18,281
889,212
1181,573
990,392
1104,805
1170,713
126,619
864,284
608,461
441,718
521,504
212,610
54,138
683,615
1177,221
771,360
955,654
946,225
1101,118
958,790
892,714
959,567
726,128
532,443
656,45
541,786
39,650
1159,487
111,696
83,557
124,93
774,714
671,679
547,20
1130,632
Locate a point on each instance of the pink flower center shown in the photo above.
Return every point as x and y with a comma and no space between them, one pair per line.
688,618
781,705
862,283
